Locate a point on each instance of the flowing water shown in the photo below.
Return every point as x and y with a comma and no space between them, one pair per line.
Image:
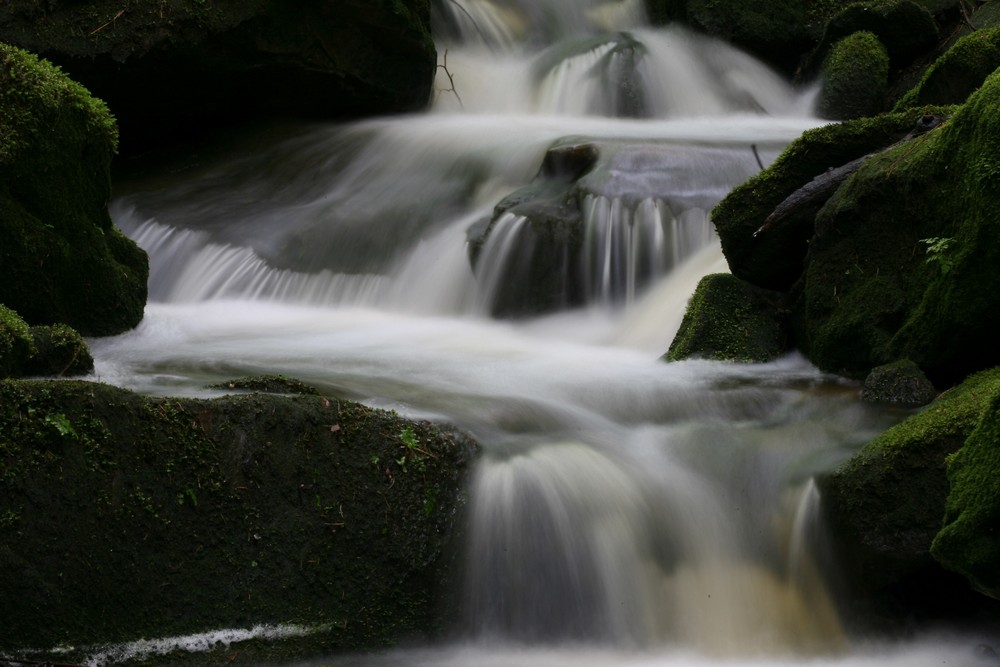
626,512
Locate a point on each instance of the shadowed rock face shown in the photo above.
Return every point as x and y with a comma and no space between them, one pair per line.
124,516
172,69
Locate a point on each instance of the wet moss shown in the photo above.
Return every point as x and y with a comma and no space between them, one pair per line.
886,504
969,542
855,78
729,320
60,351
124,516
958,73
62,261
16,343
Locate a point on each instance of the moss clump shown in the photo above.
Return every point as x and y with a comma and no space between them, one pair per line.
969,542
856,78
126,517
958,73
59,351
885,505
16,343
269,384
904,27
61,260
729,320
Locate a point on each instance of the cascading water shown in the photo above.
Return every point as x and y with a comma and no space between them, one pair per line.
625,511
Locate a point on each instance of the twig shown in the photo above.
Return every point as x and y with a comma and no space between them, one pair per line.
451,78
756,155
107,23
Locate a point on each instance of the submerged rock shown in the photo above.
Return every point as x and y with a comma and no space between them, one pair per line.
62,260
126,517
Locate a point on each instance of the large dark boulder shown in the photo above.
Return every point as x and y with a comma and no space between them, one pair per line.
886,505
969,542
61,259
903,260
126,517
172,69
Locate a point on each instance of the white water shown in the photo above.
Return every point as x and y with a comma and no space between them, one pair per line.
626,512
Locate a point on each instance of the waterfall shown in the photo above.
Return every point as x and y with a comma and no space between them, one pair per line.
625,511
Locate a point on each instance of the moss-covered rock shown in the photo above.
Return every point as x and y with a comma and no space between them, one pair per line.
885,506
61,260
958,73
855,78
775,260
987,15
59,351
730,320
902,263
969,542
16,343
174,69
906,28
124,516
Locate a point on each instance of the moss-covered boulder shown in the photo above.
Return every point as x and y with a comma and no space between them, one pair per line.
775,259
906,28
885,506
730,320
174,69
60,351
958,73
902,262
855,78
898,383
969,542
126,517
61,259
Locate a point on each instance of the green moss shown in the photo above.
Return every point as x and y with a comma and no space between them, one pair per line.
856,78
60,351
958,73
969,542
729,320
772,261
187,515
904,27
62,260
885,505
16,343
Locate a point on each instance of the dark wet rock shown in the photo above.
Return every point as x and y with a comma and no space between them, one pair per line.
900,383
125,517
176,70
884,508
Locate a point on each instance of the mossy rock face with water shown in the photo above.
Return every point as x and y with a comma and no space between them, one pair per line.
958,73
730,320
125,517
61,260
175,69
903,260
885,506
969,542
855,78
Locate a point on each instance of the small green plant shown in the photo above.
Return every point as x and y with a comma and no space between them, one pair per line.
61,423
939,251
